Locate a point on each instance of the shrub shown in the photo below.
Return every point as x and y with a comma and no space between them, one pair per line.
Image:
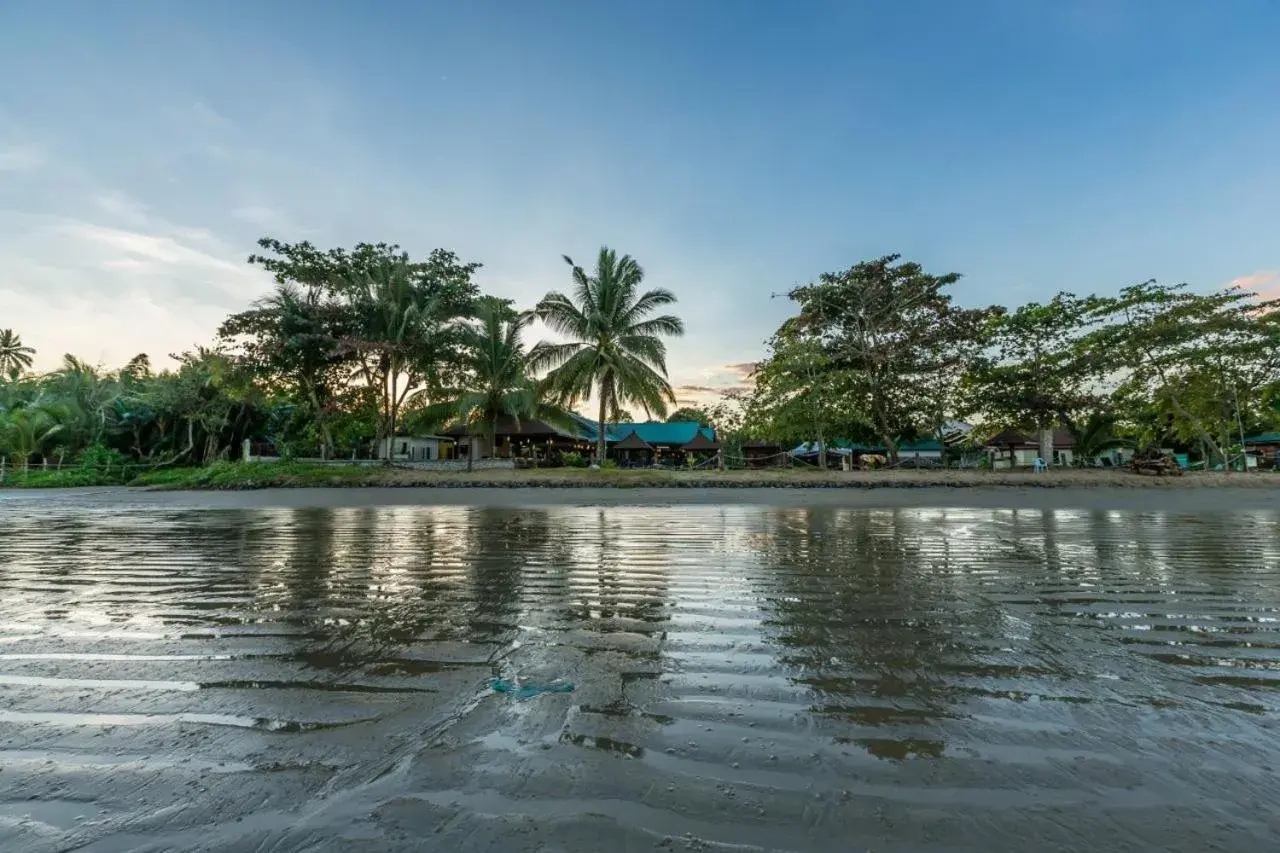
97,456
573,459
609,465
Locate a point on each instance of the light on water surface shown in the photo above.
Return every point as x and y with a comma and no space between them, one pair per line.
792,679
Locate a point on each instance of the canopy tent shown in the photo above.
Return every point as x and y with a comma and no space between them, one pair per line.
810,448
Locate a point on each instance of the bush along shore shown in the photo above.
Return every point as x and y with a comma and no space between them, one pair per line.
265,475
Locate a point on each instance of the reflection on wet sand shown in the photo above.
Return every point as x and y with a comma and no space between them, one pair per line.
790,679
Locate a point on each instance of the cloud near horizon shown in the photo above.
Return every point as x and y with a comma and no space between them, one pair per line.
144,154
1265,283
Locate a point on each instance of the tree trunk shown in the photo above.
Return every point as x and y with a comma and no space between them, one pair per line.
493,437
600,442
322,422
1046,444
391,416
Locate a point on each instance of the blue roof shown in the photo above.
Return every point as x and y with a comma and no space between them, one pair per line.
653,432
1264,438
658,432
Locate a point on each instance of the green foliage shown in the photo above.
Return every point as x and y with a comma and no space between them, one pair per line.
609,465
258,475
1095,435
66,478
494,377
896,340
800,396
14,357
99,456
1210,361
614,347
370,315
690,413
1034,372
573,459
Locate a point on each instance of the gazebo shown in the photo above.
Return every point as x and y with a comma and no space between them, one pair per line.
631,444
700,444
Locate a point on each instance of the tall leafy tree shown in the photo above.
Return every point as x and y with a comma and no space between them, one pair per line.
408,337
495,377
1034,373
371,315
1202,354
799,396
615,348
14,356
893,328
292,338
690,413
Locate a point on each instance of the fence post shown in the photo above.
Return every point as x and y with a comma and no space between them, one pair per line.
245,447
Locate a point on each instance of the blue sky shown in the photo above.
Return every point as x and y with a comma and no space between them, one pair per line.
734,147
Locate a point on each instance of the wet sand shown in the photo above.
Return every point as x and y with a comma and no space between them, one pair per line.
260,671
1191,499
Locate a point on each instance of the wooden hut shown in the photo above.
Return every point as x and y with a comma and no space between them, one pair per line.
764,454
633,450
701,448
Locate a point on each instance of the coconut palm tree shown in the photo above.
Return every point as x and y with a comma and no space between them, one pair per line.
406,332
496,380
14,357
615,346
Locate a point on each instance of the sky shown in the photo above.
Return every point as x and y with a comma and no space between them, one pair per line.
735,148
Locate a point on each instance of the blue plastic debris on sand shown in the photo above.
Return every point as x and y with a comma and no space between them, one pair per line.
528,691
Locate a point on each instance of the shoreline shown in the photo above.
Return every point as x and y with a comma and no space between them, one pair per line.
1100,498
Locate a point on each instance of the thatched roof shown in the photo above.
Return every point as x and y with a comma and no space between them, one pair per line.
633,441
700,442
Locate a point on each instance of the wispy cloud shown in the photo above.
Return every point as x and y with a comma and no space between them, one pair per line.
121,207
22,158
205,114
1265,283
277,222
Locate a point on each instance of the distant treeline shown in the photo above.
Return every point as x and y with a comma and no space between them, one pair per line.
355,345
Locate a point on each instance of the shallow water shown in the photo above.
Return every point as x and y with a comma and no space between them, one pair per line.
746,678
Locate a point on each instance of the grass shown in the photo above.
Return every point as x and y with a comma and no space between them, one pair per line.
261,475
290,474
39,478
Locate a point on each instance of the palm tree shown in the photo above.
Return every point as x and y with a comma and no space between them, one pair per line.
26,430
405,332
14,357
497,380
1095,436
615,347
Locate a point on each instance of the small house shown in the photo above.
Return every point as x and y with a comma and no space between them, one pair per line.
418,448
1265,448
1014,449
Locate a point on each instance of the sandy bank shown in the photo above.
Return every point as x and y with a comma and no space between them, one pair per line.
1185,498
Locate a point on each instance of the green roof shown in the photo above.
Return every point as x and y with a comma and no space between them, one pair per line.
657,432
1263,438
652,432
